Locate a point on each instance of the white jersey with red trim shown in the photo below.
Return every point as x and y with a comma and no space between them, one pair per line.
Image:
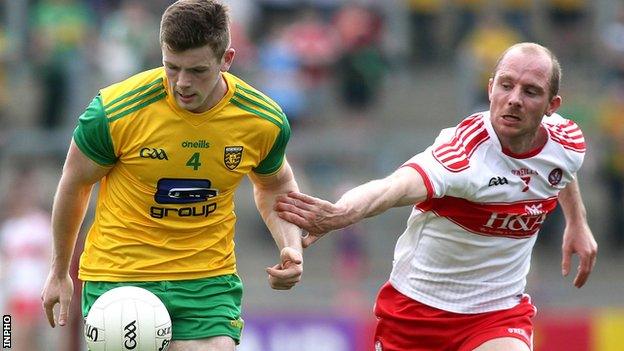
467,248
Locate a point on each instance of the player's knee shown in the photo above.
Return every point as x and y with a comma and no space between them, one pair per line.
217,343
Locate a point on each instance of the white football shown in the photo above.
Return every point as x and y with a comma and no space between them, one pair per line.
128,318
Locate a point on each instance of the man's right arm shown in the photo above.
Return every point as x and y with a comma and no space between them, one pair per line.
70,204
404,187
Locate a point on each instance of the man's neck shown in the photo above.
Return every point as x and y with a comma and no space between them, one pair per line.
525,144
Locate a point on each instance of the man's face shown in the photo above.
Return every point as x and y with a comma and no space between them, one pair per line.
519,95
194,76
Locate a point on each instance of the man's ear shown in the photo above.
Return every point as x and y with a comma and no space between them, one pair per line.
554,104
228,58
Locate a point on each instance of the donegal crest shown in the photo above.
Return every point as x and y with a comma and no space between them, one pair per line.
232,156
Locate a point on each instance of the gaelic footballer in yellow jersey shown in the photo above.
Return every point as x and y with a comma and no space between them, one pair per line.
166,210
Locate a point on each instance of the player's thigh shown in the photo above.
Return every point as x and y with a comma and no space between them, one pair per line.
503,344
217,343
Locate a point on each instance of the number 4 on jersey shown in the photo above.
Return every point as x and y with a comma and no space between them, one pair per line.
194,161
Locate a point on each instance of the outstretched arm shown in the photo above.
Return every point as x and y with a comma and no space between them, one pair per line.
70,205
403,187
577,237
287,236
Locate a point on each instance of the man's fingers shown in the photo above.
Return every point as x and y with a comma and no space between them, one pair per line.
283,279
286,203
565,263
289,255
282,286
585,267
309,240
581,276
49,311
295,219
279,272
63,312
311,200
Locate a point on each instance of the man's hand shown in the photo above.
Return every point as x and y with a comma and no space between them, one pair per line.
57,290
315,216
286,274
579,240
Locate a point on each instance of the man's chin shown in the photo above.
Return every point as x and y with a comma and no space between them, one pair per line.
190,106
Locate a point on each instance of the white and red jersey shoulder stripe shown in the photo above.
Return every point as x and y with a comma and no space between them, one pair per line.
455,154
568,134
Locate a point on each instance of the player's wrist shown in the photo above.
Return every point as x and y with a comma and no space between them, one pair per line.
59,269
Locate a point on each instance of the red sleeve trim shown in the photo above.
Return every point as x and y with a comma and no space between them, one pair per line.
425,178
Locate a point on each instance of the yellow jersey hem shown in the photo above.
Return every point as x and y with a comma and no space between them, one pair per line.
153,277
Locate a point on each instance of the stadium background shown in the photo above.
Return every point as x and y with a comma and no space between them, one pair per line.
366,84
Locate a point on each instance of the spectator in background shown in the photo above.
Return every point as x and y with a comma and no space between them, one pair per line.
478,56
351,265
424,21
274,11
612,46
127,43
611,117
60,31
277,58
25,244
4,98
467,13
317,48
517,15
361,67
244,13
568,20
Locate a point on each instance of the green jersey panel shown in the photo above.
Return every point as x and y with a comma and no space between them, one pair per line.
92,135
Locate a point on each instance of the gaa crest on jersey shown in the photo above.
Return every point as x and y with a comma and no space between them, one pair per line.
555,176
232,156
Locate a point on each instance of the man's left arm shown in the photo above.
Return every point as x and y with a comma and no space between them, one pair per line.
577,237
287,236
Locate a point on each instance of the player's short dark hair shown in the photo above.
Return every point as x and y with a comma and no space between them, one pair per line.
190,24
555,75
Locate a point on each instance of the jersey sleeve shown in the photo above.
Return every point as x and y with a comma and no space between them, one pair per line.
437,178
92,135
275,158
567,134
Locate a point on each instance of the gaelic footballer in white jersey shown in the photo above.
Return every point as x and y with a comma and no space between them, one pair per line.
467,248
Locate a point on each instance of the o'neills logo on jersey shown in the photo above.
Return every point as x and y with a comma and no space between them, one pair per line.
517,220
523,172
232,156
199,144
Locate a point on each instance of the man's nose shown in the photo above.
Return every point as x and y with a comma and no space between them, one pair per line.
515,98
184,79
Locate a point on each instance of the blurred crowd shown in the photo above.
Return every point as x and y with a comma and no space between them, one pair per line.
310,56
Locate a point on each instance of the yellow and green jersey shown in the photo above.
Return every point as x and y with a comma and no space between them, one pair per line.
165,211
